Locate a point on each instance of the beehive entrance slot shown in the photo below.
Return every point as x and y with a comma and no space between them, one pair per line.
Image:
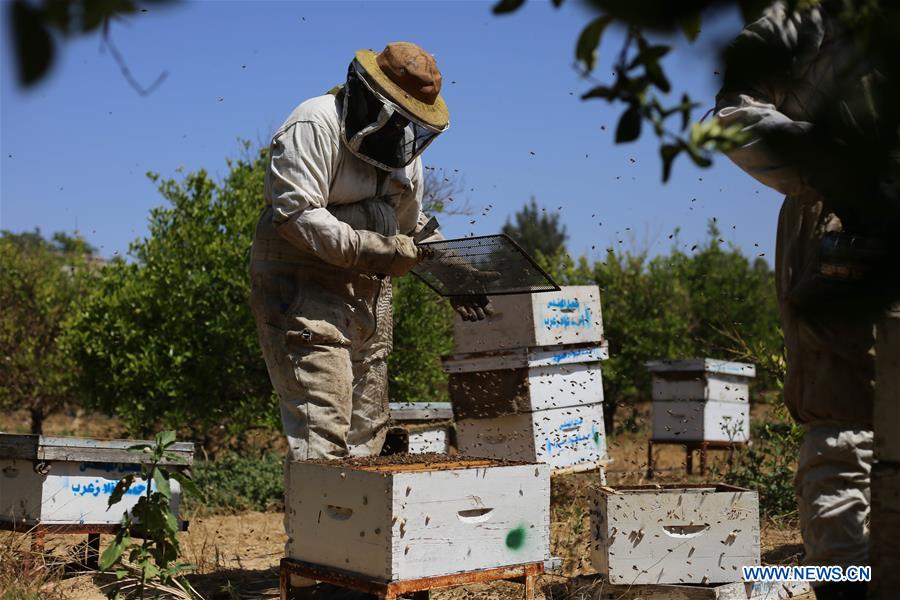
338,513
685,531
475,515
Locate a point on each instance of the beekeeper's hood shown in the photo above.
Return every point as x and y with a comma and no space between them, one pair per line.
392,108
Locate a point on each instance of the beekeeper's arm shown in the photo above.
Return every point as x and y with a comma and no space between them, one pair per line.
301,168
781,153
471,307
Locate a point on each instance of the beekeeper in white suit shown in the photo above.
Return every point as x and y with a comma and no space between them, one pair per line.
800,70
343,197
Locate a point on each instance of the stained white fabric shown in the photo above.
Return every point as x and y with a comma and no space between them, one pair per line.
310,170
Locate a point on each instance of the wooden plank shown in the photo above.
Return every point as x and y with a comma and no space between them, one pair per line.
721,388
421,411
69,492
505,392
887,389
561,437
701,365
74,449
429,440
339,518
569,316
674,536
697,420
451,521
725,591
519,358
885,530
398,525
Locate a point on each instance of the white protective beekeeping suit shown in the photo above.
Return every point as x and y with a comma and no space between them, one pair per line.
829,382
343,194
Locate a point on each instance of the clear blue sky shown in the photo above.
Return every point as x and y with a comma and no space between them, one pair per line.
76,148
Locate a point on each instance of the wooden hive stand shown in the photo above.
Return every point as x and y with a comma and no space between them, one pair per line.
689,446
415,588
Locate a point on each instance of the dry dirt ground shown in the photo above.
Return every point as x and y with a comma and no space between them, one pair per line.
236,555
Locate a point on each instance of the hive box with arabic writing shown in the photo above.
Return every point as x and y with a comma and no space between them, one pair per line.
569,316
534,404
399,521
701,399
68,481
674,534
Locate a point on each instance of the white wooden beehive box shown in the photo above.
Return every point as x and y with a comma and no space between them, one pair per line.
425,425
674,534
569,316
570,438
524,379
701,399
408,521
705,379
697,421
60,480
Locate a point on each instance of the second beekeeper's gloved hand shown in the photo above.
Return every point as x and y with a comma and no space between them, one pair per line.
393,255
472,308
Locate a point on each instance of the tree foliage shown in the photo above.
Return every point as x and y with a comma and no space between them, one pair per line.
167,339
38,26
677,305
641,86
536,230
41,282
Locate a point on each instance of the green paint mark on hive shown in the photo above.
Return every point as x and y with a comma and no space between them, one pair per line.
597,439
515,539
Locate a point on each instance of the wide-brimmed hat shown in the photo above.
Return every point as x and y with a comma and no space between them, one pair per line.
408,76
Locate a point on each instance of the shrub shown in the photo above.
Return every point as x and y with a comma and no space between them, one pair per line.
235,483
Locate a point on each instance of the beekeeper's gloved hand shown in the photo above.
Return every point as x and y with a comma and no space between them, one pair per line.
393,255
472,308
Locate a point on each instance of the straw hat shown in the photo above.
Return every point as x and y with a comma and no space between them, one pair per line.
409,76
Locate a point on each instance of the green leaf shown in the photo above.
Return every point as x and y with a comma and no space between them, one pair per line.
33,44
114,551
668,153
690,26
629,127
188,487
161,480
601,91
697,155
589,40
120,489
165,438
171,523
557,3
507,6
650,54
656,75
685,111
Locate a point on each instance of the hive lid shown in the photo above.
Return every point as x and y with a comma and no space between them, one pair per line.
405,463
75,449
421,411
518,358
702,365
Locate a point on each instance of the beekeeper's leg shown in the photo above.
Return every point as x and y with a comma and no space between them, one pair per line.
369,420
314,385
829,387
833,491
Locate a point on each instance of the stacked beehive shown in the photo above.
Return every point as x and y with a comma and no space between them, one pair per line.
701,400
392,518
50,481
526,383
